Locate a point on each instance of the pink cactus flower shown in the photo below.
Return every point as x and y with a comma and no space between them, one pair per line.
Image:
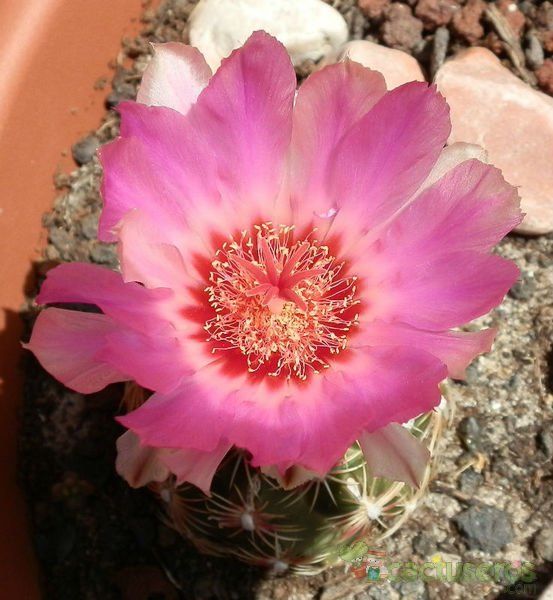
293,266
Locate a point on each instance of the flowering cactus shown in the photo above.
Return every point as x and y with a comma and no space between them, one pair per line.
292,268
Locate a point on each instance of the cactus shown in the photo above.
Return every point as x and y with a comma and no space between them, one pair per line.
304,529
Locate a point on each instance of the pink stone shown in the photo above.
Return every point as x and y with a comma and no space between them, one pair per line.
397,67
493,108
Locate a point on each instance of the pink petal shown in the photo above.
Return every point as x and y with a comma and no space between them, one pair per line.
139,465
174,77
145,257
471,207
328,104
174,420
154,362
136,178
393,452
451,157
67,344
456,349
446,291
194,466
375,387
382,161
223,162
245,119
428,267
128,303
311,425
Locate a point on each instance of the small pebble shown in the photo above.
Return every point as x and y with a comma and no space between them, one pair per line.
84,150
424,545
470,481
103,254
373,9
534,51
470,433
513,15
543,543
124,91
524,288
401,30
466,22
485,528
62,241
544,441
89,226
436,13
439,49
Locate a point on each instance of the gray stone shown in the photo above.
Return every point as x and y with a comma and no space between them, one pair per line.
534,51
103,254
62,241
523,288
89,226
84,150
470,481
485,528
424,545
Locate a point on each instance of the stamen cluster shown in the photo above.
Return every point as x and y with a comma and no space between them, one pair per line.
282,302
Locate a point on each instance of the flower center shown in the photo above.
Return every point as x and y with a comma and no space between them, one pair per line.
283,303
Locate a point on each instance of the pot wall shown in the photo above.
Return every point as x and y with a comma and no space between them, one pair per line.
51,54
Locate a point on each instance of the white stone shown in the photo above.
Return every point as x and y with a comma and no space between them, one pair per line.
493,108
310,29
397,67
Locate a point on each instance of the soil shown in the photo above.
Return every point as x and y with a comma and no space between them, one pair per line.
492,497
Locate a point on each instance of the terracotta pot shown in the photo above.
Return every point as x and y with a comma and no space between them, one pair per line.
51,54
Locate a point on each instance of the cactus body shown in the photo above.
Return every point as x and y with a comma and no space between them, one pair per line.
304,529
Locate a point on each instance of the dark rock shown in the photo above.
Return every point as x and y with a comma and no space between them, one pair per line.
543,543
84,150
470,481
485,528
470,433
